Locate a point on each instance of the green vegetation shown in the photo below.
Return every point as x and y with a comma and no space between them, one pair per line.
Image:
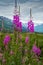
21,52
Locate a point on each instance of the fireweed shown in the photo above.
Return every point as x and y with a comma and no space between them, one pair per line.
31,26
36,50
15,19
6,40
17,25
26,39
17,52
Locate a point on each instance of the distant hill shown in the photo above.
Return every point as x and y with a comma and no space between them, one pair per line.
39,28
7,23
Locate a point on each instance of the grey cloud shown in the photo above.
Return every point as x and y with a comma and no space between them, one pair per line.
7,8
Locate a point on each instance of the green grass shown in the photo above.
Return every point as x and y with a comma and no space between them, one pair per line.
20,57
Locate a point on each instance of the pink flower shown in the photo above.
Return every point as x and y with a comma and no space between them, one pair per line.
15,19
27,39
17,23
36,50
31,26
6,39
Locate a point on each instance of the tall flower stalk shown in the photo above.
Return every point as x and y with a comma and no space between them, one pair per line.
31,26
6,41
17,25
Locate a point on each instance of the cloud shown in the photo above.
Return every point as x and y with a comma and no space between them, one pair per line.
7,8
36,0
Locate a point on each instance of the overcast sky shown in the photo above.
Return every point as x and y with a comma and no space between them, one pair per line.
7,9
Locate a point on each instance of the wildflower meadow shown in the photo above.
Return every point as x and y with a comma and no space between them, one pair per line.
27,51
18,47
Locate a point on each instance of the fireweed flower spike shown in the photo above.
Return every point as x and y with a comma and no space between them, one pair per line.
31,26
17,23
6,39
15,19
36,50
26,39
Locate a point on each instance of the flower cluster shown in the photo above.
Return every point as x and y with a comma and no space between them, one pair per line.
31,26
6,39
15,19
17,23
36,50
26,39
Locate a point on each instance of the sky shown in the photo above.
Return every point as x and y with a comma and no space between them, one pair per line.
7,10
